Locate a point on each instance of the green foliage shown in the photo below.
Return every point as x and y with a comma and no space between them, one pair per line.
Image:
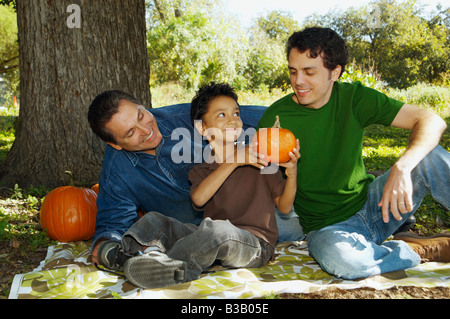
405,46
367,78
436,98
188,47
277,25
8,117
172,93
266,65
193,42
8,3
9,50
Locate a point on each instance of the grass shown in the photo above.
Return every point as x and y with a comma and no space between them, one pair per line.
171,93
19,223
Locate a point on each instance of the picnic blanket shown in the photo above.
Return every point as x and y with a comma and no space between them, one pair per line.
67,273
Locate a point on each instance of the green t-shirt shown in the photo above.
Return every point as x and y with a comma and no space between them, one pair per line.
332,180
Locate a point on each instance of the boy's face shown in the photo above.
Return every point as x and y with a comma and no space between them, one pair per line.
311,81
222,121
134,128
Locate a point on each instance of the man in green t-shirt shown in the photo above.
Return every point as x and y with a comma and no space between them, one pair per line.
346,213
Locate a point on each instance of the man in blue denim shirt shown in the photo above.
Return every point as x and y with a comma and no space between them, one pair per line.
146,164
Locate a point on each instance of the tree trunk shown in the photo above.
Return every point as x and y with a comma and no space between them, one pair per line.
70,51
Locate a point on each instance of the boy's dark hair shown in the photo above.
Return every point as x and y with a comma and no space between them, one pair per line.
320,40
207,93
103,108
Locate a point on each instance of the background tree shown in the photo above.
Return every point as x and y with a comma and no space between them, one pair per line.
267,64
193,42
405,46
278,25
67,56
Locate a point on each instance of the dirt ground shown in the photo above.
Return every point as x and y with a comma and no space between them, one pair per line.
370,293
14,260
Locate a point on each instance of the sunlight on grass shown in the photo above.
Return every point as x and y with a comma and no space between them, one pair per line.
381,158
172,93
7,132
382,146
6,141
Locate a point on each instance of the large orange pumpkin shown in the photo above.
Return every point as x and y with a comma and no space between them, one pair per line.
69,213
275,142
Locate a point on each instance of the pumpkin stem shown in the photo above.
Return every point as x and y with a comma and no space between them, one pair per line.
277,122
72,183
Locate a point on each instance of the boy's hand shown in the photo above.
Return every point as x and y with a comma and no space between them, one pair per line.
291,166
286,199
245,155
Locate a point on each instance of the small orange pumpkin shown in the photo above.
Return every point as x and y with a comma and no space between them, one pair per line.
275,142
69,213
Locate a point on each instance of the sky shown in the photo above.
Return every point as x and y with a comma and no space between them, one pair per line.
246,10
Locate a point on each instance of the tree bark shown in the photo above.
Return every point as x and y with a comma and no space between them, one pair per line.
63,66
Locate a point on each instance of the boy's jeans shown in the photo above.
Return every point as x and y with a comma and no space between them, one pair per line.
199,246
356,248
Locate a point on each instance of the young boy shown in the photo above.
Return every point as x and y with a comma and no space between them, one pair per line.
239,227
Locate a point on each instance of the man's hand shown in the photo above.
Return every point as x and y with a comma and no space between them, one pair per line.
426,130
397,194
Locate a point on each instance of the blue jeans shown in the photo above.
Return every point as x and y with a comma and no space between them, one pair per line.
199,246
356,248
289,228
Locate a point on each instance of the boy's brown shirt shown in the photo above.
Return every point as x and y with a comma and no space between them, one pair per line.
246,199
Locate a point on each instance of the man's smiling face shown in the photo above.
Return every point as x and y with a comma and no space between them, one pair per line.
134,128
311,81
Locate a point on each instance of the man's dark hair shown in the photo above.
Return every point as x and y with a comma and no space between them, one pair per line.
207,93
103,108
320,41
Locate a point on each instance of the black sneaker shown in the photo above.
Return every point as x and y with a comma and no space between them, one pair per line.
110,255
155,270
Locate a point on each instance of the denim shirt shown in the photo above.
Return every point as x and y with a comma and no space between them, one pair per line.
130,181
